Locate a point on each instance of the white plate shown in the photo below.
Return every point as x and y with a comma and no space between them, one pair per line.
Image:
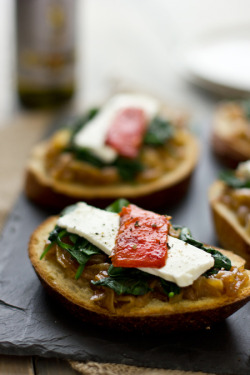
221,62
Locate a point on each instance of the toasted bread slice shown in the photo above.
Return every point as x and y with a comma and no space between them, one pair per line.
231,135
45,190
155,316
230,233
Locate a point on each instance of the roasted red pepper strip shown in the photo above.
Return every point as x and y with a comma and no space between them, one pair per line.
126,132
141,240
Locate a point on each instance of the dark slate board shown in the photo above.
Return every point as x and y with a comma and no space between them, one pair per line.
31,324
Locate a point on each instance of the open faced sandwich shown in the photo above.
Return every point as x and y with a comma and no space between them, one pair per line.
131,147
230,203
131,269
231,132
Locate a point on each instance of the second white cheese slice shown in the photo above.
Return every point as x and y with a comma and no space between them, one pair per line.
185,263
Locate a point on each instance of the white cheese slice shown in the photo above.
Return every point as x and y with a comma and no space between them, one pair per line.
93,134
185,263
99,227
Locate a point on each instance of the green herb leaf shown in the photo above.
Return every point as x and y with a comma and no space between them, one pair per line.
128,168
127,272
159,131
73,238
54,233
186,236
220,260
116,206
133,281
80,249
82,153
125,281
46,250
233,181
124,285
52,238
171,289
80,270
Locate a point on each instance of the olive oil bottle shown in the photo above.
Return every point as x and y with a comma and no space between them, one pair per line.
45,51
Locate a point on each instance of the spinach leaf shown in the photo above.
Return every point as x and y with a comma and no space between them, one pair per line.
128,168
80,249
84,154
133,281
233,181
125,281
220,260
124,285
171,289
186,236
54,233
159,131
126,272
116,206
46,250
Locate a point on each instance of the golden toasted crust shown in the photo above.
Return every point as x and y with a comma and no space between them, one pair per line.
43,189
230,233
155,316
229,151
229,147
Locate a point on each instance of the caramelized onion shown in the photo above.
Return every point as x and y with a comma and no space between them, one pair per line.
227,283
64,166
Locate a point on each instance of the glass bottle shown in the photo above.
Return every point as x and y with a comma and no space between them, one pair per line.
45,51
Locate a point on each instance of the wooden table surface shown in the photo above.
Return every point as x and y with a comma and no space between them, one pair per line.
124,41
13,365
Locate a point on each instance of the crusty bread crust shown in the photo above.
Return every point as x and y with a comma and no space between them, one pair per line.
231,150
43,189
155,316
230,233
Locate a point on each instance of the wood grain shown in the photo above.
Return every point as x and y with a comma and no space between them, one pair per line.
13,365
19,135
51,366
